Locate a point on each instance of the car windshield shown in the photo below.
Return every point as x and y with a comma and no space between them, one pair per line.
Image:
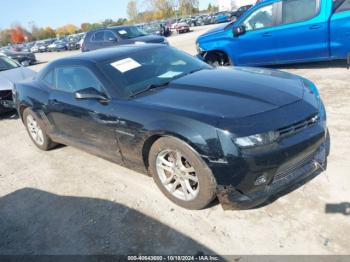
7,64
130,32
155,66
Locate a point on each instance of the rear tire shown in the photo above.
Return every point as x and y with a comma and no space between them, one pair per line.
36,131
181,174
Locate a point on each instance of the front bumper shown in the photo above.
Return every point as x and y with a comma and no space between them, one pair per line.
6,99
289,179
7,104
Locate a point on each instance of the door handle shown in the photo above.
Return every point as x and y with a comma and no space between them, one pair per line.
54,101
314,27
267,34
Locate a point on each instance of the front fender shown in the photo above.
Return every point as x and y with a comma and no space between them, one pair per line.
202,138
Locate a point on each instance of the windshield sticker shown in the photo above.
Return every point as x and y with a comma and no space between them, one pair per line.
125,65
170,74
122,32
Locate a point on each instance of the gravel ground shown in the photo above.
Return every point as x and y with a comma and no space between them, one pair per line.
69,202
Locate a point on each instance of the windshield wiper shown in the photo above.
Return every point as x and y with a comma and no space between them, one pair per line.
149,88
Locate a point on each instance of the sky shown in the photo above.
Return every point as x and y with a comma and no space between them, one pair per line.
56,13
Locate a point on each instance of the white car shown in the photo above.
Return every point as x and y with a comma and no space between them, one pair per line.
10,73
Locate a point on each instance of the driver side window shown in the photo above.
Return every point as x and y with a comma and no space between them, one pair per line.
75,78
261,18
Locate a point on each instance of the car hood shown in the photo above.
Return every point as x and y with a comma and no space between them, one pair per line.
215,30
149,39
9,77
227,93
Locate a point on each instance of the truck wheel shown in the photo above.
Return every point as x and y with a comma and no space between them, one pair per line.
36,131
181,174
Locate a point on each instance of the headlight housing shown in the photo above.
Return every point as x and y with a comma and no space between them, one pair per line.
257,140
199,49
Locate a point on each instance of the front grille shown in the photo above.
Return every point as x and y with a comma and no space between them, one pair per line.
290,130
6,95
290,170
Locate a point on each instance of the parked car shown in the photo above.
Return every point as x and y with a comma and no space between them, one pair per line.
222,17
10,72
299,31
191,21
182,27
23,58
245,135
205,20
57,46
240,11
44,45
156,28
35,47
119,35
74,43
26,47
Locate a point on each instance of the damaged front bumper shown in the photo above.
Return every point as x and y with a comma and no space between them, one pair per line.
6,99
7,104
292,178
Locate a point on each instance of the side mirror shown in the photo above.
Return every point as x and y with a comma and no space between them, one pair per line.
239,30
90,94
113,39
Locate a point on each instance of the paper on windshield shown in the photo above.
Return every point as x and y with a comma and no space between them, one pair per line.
122,32
170,74
125,65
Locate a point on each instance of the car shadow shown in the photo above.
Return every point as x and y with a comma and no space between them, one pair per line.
342,208
11,114
34,222
314,65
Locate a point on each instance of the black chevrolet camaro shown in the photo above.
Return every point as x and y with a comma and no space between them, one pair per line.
244,135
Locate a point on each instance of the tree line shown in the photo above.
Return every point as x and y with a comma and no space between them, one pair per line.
151,10
163,9
18,34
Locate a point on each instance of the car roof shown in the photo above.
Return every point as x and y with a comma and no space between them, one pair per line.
118,27
112,53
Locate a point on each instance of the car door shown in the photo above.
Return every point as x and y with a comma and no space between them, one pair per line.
257,45
340,29
97,40
86,123
110,39
302,34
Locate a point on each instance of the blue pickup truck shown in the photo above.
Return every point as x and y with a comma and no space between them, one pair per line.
281,32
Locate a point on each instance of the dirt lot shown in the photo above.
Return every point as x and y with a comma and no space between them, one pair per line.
69,202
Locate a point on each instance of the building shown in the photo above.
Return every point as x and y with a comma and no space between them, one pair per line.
230,5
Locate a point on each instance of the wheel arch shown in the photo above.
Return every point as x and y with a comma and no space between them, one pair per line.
21,110
218,54
200,146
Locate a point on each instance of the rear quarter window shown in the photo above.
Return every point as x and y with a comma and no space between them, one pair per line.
294,11
342,6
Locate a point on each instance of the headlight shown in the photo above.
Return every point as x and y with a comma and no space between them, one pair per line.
313,89
199,49
257,140
166,41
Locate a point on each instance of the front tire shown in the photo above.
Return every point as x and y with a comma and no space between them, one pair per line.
181,174
36,132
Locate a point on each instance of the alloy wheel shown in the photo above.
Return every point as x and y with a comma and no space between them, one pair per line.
177,175
35,130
